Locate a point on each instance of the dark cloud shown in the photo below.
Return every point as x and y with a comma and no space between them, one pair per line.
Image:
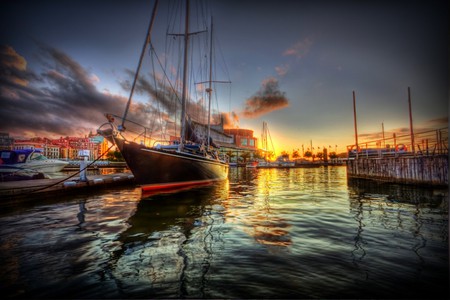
267,99
436,123
165,99
62,100
158,90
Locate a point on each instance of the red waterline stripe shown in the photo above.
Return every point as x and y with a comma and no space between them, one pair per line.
175,185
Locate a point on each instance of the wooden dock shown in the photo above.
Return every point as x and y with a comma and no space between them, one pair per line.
418,170
44,187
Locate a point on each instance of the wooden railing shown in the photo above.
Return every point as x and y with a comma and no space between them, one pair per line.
426,143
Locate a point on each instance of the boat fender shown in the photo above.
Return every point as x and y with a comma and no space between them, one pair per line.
401,147
98,180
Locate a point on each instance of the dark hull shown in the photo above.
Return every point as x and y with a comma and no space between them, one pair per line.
155,169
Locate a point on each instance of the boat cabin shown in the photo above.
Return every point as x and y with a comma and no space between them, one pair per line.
19,156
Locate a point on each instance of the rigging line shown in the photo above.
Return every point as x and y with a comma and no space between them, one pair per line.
165,74
78,172
172,88
153,120
168,46
225,69
132,122
136,75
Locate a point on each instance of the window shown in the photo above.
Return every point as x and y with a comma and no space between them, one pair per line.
244,142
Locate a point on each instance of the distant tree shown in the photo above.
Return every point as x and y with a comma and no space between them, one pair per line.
258,154
231,154
319,155
295,154
307,154
332,155
285,155
114,155
245,156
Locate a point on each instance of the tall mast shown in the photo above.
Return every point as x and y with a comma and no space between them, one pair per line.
209,90
183,96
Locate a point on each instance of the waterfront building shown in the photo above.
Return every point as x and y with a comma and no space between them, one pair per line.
6,142
244,146
235,142
64,147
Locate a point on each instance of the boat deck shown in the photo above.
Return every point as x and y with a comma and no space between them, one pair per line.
44,187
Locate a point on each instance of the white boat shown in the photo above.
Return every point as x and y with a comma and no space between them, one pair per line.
13,161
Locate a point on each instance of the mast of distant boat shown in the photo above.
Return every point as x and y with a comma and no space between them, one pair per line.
265,141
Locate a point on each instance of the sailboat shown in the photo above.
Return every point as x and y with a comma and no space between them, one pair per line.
280,162
190,158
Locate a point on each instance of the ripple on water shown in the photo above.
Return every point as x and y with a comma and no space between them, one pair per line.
298,233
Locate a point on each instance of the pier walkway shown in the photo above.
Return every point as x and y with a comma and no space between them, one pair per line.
421,159
45,187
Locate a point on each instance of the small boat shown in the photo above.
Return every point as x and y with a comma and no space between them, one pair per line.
189,157
280,162
28,161
303,163
252,164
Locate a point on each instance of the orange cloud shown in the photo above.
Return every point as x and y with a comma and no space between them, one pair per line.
230,120
282,70
299,49
14,63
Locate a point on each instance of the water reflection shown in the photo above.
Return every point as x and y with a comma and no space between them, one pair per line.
299,233
82,212
404,218
167,239
250,205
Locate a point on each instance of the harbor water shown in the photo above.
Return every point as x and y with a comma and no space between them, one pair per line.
264,233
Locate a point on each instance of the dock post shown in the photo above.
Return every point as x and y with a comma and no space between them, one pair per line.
355,123
411,123
84,154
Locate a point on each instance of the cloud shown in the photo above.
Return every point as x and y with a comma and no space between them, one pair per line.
61,100
267,99
13,66
230,120
94,78
436,123
422,132
282,69
299,49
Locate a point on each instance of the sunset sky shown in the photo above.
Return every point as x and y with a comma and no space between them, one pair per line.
292,64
